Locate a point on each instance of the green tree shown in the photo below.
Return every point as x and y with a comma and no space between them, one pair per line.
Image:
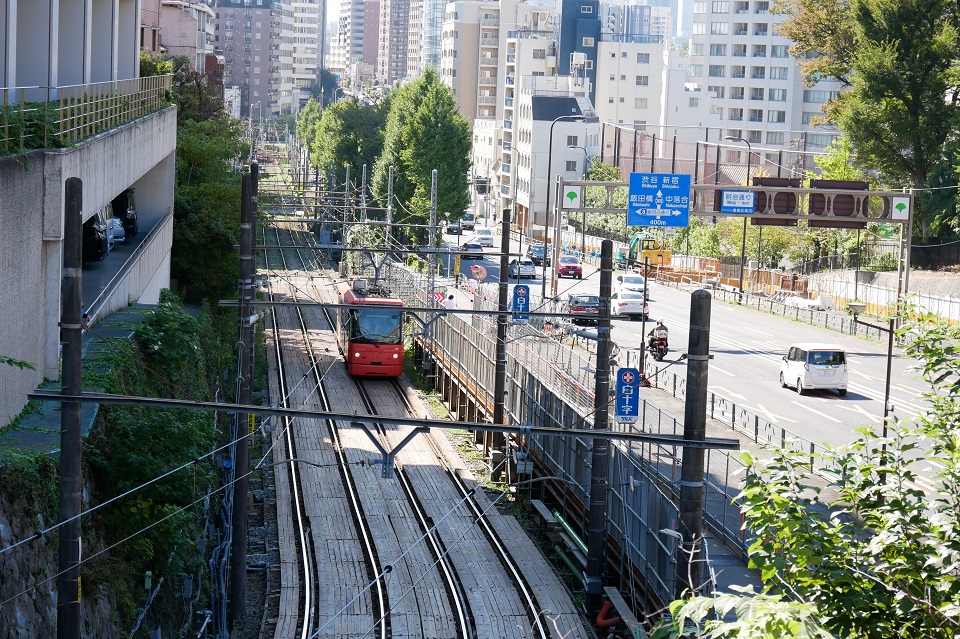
151,65
425,131
207,208
612,225
307,122
903,104
348,134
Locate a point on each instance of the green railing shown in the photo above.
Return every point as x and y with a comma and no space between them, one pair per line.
38,117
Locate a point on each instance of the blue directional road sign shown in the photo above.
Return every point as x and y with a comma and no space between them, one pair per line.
737,202
658,199
628,400
521,302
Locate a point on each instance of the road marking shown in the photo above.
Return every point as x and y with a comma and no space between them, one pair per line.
727,391
832,419
861,411
772,417
758,331
714,367
863,375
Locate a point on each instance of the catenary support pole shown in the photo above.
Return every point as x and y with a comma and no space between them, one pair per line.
248,271
599,483
500,371
71,335
694,428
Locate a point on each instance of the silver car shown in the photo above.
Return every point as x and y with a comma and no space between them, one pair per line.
523,267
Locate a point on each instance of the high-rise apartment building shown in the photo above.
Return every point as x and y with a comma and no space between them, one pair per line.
393,52
630,79
423,44
757,88
306,42
255,58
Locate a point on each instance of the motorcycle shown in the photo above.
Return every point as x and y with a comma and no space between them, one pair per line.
658,348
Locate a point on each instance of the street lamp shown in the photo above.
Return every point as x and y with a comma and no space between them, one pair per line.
856,308
583,214
743,245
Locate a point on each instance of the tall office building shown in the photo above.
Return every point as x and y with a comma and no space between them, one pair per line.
393,52
355,47
306,43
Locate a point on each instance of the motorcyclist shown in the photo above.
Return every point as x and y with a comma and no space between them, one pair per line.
658,332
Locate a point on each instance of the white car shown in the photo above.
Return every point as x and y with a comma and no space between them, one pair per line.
630,282
809,365
484,237
630,304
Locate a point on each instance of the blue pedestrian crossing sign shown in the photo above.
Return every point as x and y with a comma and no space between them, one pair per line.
521,302
659,199
628,399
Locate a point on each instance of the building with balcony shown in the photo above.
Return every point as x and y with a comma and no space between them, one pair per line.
90,117
393,37
356,40
187,29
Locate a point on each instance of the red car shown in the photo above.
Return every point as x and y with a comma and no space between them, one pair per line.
569,265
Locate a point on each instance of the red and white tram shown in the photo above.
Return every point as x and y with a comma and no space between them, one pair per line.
371,331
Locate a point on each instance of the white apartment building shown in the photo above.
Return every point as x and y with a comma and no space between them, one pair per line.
737,56
630,79
353,55
306,42
548,142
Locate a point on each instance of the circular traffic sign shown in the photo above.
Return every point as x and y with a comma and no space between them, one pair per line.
627,377
521,292
479,273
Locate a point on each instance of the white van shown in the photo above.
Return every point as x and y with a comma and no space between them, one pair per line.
484,237
810,365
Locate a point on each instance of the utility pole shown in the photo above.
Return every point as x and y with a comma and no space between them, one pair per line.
597,524
71,482
386,239
431,261
241,487
500,371
694,429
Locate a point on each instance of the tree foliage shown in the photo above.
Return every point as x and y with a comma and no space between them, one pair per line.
348,134
902,109
872,552
307,121
425,131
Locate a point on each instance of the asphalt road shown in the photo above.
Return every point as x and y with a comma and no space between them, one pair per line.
747,347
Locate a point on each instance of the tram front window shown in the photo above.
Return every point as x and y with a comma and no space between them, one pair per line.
377,326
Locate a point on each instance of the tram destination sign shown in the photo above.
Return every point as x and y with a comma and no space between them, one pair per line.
658,199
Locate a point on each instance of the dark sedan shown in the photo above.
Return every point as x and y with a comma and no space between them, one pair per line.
472,251
584,308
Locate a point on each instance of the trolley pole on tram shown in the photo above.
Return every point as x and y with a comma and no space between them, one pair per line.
599,484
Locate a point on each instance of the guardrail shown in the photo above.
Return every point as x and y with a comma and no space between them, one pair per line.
37,117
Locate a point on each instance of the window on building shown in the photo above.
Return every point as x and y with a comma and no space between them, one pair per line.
643,80
586,9
756,115
717,91
538,54
754,137
756,93
721,6
759,50
740,28
778,73
738,71
734,133
808,116
643,58
779,51
775,137
778,95
718,49
716,110
718,70
573,140
817,96
587,42
819,140
587,65
758,73
699,28
623,54
719,28
736,93
761,7
610,100
699,7
777,117
760,29
694,102
735,114
623,78
640,125
613,77
739,50
570,166
696,70
640,103
697,48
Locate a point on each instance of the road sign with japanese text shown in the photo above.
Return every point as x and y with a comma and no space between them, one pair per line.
628,399
658,199
737,202
521,302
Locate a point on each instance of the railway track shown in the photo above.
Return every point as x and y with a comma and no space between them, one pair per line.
423,559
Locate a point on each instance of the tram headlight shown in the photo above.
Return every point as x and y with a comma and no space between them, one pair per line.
356,353
396,356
